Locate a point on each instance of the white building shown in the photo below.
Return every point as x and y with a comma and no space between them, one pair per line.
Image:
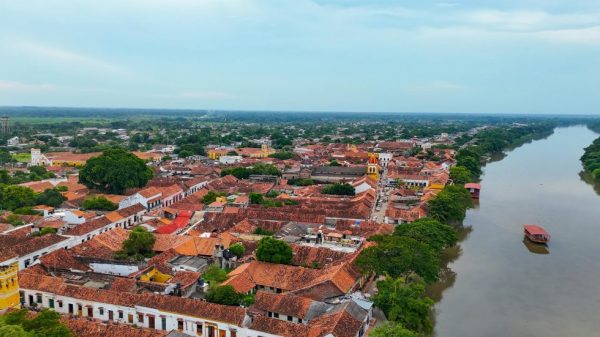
385,158
14,141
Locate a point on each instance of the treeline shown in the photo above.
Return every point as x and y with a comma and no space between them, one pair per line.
591,159
470,160
409,259
21,199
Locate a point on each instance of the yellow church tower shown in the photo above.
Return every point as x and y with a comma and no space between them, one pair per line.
373,167
9,283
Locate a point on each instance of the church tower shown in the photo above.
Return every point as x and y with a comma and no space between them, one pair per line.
9,284
373,167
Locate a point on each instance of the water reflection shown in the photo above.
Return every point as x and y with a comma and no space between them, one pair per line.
587,177
536,248
499,289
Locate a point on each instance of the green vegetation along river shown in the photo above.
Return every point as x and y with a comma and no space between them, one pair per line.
504,286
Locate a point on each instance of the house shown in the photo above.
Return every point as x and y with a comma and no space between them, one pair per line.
14,141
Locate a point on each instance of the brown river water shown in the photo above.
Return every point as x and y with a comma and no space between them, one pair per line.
503,286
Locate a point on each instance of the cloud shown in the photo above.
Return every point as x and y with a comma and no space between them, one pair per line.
67,57
24,87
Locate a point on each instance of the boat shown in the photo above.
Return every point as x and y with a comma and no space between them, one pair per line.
536,233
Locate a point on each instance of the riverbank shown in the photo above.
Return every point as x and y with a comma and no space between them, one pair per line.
591,160
499,285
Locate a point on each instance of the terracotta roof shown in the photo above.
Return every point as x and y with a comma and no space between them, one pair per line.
287,304
186,306
63,260
88,227
81,327
197,246
164,242
102,246
149,192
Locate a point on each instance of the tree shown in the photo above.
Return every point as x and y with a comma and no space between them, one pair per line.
211,197
225,295
45,323
429,231
392,329
99,203
283,155
50,197
14,196
237,249
405,303
334,163
274,251
214,275
260,231
460,175
115,171
400,256
338,189
255,198
450,205
138,245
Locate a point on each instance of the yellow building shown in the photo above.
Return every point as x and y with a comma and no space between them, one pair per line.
218,152
9,283
154,275
373,167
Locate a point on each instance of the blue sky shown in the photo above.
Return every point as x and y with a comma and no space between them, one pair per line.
492,56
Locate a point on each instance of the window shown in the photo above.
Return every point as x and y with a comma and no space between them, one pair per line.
290,318
38,298
51,303
179,325
120,314
276,315
233,333
141,318
101,311
60,303
199,329
163,323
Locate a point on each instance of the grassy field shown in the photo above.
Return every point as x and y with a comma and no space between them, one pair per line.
22,157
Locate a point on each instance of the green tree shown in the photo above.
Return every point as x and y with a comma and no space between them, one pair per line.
225,295
283,155
214,275
115,171
237,249
429,231
255,198
14,196
392,329
274,251
450,205
338,189
460,175
405,303
50,197
400,256
138,245
211,197
46,323
13,331
99,203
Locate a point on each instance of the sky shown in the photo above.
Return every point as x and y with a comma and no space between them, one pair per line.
488,56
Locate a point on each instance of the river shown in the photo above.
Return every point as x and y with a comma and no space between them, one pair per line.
504,287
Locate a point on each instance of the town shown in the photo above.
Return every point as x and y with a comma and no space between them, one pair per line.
257,237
